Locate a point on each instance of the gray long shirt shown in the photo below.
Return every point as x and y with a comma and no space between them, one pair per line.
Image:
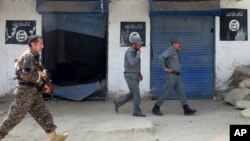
170,59
132,63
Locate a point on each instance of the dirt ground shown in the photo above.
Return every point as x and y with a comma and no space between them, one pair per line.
97,121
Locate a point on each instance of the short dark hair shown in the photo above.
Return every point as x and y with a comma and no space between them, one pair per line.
176,41
34,39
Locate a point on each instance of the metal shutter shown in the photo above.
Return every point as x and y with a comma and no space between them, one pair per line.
197,55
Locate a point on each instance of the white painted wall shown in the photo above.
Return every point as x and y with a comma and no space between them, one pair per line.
13,10
230,54
126,10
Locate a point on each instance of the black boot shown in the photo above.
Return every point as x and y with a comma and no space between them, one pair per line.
156,111
116,107
187,110
139,114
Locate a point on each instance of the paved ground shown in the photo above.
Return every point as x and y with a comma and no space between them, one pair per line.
97,121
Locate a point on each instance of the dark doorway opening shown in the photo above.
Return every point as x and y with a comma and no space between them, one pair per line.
74,58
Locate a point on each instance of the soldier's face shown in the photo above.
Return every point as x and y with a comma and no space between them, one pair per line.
137,46
177,46
37,46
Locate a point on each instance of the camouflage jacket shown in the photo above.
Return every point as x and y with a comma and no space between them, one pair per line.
27,67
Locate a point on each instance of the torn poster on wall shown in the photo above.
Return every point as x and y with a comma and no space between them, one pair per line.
129,27
19,32
233,25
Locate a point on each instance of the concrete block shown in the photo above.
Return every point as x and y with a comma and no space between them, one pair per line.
245,113
237,94
245,84
242,104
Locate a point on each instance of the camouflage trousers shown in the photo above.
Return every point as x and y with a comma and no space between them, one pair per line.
27,100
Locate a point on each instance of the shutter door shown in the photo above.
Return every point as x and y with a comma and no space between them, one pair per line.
196,56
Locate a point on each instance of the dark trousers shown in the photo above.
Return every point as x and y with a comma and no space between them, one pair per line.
134,93
172,81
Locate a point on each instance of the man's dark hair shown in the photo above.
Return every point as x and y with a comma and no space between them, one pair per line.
34,39
176,41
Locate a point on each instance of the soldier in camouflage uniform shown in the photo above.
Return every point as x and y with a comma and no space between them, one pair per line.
28,97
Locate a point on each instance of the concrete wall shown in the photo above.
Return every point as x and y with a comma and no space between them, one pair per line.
230,54
126,10
13,10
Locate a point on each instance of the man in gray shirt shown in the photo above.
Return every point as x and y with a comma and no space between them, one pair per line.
132,74
170,63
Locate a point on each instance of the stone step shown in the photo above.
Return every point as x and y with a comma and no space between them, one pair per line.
132,129
122,129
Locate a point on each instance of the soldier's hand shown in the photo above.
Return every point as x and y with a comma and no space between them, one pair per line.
47,89
168,70
140,77
139,52
42,74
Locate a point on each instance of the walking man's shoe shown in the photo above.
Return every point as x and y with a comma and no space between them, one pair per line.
139,115
188,111
156,111
54,137
116,107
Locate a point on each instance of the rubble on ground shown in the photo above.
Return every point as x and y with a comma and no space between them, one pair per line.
239,94
245,113
242,104
240,74
245,84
